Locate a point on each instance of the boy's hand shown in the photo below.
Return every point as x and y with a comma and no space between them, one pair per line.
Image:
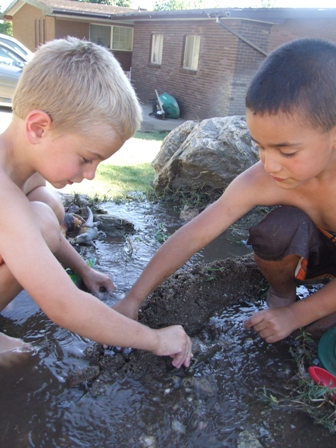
97,282
272,324
174,342
127,307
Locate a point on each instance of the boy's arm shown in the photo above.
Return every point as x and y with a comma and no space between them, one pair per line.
241,196
97,282
277,323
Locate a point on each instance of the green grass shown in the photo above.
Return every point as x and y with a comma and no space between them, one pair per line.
157,136
126,172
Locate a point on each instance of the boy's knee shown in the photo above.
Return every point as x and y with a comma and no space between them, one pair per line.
282,230
48,224
49,197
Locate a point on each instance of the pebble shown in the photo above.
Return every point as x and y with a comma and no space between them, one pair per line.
248,440
148,441
178,427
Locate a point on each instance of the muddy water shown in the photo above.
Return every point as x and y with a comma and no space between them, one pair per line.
217,407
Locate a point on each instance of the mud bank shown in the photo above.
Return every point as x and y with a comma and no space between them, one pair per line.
190,298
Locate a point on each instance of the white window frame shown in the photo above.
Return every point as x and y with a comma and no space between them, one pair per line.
156,49
113,43
191,52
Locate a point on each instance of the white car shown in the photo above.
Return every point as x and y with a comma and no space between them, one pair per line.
16,45
11,65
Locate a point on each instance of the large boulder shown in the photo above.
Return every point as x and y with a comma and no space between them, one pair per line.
206,154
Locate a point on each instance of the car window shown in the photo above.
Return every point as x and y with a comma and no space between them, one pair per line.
16,45
10,57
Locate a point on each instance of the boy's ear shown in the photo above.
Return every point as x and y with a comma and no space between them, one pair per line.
37,124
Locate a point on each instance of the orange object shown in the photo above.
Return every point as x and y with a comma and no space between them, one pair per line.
323,378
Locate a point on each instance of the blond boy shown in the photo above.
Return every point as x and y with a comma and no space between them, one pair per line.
291,115
73,108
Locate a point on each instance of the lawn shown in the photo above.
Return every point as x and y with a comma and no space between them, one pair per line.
126,172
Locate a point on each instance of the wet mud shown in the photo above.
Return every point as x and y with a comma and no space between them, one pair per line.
189,298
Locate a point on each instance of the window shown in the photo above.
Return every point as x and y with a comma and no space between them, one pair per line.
157,45
191,52
100,35
114,37
122,38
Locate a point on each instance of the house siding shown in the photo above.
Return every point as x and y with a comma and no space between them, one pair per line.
27,26
65,28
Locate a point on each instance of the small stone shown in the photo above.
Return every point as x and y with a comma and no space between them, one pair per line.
86,375
148,441
248,440
178,427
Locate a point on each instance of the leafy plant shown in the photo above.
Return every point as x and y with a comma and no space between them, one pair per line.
161,235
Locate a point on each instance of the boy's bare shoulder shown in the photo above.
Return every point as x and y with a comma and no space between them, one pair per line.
257,185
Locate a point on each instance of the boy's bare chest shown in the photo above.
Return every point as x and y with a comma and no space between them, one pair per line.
319,204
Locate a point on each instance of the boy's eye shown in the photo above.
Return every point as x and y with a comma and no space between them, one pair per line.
284,154
86,160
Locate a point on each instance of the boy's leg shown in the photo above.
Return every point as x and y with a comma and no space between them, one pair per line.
9,287
280,276
285,237
36,190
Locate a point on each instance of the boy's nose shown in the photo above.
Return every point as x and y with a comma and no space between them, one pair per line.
89,174
270,163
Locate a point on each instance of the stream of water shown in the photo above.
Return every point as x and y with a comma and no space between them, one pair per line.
217,408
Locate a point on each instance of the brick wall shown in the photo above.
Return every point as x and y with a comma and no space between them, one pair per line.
226,63
248,59
295,29
201,94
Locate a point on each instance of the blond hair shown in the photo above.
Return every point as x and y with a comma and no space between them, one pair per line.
79,84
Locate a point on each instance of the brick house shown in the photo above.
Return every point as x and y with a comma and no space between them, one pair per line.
204,58
207,57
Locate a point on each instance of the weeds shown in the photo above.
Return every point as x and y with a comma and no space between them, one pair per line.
161,235
213,276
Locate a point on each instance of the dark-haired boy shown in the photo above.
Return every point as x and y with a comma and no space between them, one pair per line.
291,115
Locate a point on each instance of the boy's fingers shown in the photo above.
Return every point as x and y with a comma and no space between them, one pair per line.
177,360
253,320
180,359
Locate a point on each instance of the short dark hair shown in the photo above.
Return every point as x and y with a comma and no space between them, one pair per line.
299,76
